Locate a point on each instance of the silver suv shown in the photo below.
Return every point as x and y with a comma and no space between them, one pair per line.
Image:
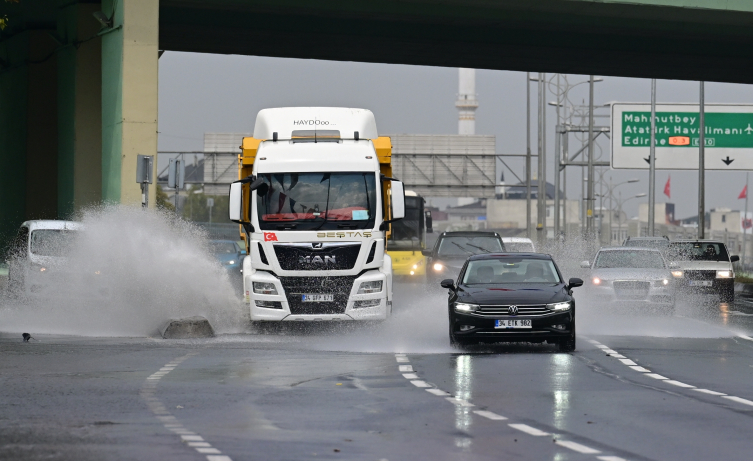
703,266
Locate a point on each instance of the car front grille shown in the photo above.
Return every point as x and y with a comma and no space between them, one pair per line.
532,309
631,289
339,287
700,275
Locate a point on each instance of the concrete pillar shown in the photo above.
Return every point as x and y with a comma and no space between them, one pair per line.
79,108
28,130
129,96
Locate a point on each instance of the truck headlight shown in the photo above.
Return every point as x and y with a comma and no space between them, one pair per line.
264,288
723,274
465,307
370,287
558,306
678,274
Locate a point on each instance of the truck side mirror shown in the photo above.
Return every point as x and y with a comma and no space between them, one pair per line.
235,204
429,222
398,200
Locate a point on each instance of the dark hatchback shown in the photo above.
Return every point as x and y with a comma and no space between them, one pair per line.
451,250
519,297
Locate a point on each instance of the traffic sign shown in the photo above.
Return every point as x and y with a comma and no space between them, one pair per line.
728,136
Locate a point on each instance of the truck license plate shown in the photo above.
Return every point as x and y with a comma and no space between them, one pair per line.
512,323
317,298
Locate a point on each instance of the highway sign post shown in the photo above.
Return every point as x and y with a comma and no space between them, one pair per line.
728,136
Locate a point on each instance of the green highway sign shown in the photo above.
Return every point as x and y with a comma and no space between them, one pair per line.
728,136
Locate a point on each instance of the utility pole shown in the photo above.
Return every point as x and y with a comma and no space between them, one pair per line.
557,161
590,197
701,167
745,217
528,155
541,192
652,163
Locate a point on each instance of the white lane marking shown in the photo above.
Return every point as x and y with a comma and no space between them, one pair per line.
627,362
461,402
678,383
410,376
577,447
738,400
610,351
710,392
419,383
528,429
209,451
745,337
592,341
617,356
438,392
198,444
405,368
655,376
641,369
218,458
191,438
610,458
402,359
166,418
490,415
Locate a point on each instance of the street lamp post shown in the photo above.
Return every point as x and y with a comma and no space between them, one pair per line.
621,202
610,195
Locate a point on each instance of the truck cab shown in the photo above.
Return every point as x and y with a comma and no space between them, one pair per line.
315,200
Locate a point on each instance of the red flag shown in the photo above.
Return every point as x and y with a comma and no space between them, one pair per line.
666,187
744,193
270,237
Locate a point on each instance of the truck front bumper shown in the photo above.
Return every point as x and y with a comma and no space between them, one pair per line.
288,304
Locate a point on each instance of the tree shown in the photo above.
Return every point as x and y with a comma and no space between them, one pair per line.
163,201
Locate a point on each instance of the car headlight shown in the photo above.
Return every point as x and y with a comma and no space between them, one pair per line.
596,281
723,274
230,263
677,274
661,283
438,267
370,287
558,306
465,307
264,288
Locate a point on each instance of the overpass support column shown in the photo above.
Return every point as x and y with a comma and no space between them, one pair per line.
129,96
79,108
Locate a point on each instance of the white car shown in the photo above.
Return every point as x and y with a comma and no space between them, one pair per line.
38,253
519,245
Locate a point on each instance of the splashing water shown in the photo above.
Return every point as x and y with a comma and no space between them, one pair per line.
126,274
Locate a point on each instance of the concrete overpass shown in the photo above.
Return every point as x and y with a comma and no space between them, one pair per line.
78,100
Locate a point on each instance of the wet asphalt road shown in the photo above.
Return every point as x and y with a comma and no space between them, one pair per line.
637,388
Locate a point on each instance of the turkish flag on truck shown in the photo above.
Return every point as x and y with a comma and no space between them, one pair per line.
744,193
666,187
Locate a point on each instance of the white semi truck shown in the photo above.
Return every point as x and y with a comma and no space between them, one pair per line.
315,200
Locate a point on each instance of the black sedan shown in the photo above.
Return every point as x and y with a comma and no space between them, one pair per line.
511,297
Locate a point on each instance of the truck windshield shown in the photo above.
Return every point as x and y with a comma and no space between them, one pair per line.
52,242
408,233
306,201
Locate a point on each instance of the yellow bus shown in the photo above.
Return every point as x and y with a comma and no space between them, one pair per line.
408,238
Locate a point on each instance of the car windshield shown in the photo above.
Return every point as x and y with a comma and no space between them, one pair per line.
511,270
465,246
52,242
638,259
659,244
317,201
697,251
519,247
223,247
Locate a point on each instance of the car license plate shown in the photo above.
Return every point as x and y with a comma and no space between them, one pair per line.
317,298
512,323
699,283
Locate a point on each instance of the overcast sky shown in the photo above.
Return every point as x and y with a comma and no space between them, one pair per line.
218,93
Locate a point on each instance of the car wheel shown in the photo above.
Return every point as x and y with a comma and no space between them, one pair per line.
455,342
568,345
727,296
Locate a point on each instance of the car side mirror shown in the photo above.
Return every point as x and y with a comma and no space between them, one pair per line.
448,283
673,265
734,258
426,252
574,283
585,264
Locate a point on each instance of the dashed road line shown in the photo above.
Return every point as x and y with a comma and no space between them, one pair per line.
529,430
490,415
577,447
170,422
738,400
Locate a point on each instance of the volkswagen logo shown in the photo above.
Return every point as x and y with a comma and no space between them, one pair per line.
513,310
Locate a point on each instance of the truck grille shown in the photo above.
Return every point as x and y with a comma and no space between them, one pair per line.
534,309
631,289
307,257
339,287
700,275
